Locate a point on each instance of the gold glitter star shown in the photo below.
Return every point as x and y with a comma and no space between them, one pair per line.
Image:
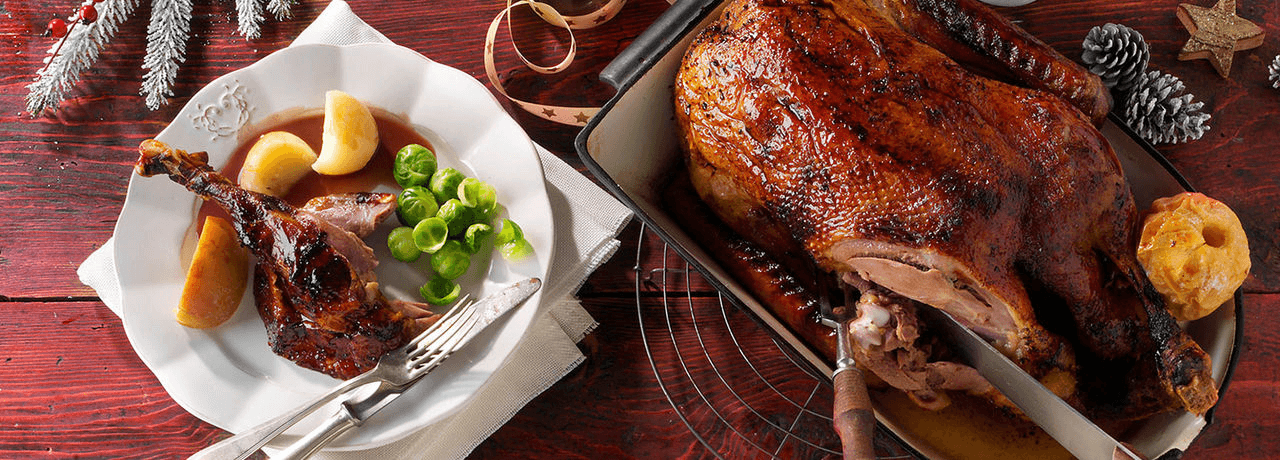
1216,34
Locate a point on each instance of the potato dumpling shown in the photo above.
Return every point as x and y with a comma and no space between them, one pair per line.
216,279
1195,252
276,161
350,135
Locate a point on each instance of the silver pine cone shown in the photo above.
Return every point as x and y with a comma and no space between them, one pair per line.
1117,54
1275,72
1158,111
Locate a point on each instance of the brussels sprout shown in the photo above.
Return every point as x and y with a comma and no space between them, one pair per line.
444,183
450,261
430,234
440,291
414,204
458,217
487,215
515,250
510,242
476,194
508,233
414,165
402,246
475,236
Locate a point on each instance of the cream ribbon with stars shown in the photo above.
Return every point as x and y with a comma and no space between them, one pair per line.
573,116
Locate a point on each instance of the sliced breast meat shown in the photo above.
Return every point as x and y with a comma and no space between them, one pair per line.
888,342
358,212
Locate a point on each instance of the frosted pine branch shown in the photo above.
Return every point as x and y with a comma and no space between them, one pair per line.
249,14
281,9
167,37
80,49
166,49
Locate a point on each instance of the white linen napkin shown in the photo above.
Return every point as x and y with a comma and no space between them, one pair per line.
587,220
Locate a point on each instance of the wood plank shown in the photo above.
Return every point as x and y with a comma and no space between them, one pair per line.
1244,421
71,385
1234,161
612,382
64,397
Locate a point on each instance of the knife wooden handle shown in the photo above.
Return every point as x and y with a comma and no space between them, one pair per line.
852,417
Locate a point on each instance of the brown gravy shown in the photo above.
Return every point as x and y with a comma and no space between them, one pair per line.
393,133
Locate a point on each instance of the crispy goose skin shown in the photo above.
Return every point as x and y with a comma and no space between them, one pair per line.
314,283
833,130
984,40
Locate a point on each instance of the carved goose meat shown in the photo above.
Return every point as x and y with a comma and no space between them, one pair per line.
847,133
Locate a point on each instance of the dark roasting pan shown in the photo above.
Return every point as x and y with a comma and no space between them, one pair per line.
631,147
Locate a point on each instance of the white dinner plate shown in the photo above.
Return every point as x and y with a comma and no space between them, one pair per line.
228,375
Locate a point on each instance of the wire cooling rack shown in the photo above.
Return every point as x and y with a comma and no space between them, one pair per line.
737,390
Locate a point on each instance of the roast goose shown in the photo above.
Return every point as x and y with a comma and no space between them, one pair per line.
314,282
929,151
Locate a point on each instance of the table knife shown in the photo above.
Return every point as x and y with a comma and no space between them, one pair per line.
1064,423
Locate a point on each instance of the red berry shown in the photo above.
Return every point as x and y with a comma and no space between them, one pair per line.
57,28
88,14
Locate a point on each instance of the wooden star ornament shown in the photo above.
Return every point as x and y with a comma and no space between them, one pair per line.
1216,34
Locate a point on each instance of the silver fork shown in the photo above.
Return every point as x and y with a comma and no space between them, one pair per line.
397,369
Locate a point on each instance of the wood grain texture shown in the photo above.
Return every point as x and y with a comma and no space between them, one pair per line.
71,386
1230,162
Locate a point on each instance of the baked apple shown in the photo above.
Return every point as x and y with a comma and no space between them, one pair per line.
1195,251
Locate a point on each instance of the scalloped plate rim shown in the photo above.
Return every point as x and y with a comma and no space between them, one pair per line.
222,397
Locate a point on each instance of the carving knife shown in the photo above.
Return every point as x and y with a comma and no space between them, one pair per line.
355,407
1061,421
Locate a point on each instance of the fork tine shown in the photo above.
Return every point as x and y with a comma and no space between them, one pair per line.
442,336
441,323
443,332
451,342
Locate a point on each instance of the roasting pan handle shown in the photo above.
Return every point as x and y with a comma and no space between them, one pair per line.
655,41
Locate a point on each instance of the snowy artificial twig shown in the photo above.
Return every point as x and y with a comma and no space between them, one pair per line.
166,49
281,9
73,54
167,37
249,15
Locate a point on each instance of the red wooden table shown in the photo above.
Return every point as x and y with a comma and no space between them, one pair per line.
71,386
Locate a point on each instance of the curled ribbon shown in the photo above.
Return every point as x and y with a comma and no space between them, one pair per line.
594,18
573,116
